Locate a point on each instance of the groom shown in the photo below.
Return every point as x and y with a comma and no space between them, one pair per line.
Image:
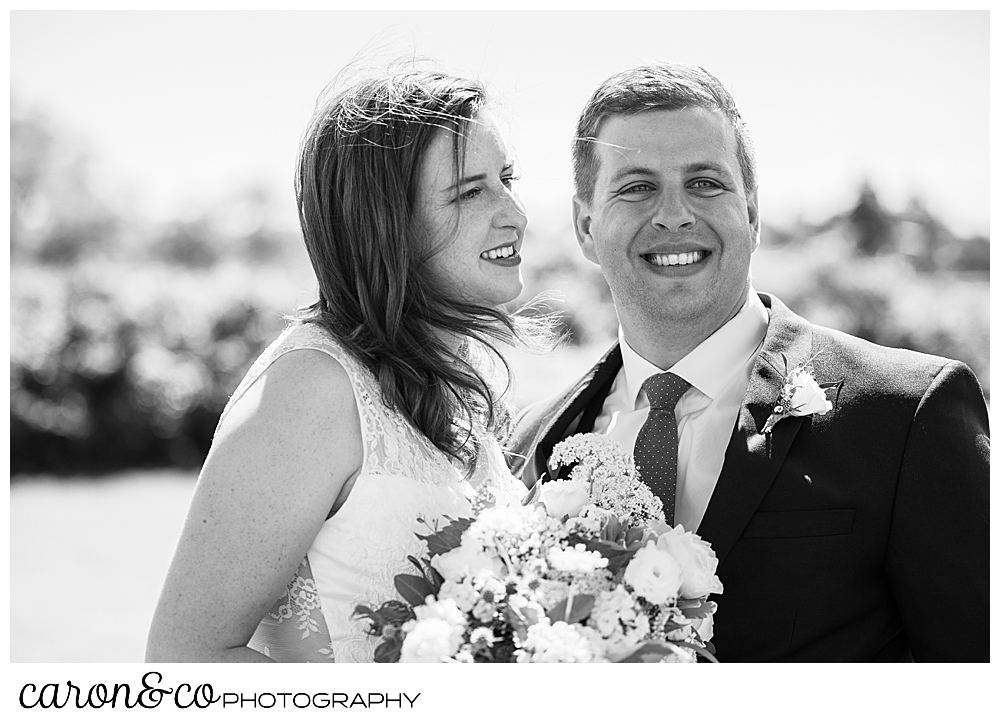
851,531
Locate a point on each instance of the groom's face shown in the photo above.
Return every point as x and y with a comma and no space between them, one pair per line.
670,223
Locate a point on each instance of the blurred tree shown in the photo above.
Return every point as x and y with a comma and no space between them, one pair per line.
194,244
872,225
55,217
922,237
972,254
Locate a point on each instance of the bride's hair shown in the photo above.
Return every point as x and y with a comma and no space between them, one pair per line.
356,187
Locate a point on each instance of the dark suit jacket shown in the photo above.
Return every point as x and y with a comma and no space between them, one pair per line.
858,535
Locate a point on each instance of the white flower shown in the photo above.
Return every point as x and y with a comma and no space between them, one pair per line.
807,397
697,560
435,635
577,559
462,593
491,594
616,616
610,474
654,574
429,641
556,643
466,560
564,497
484,636
705,627
442,609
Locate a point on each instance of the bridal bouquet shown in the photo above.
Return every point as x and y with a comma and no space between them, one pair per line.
585,571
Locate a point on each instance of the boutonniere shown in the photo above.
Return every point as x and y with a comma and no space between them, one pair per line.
801,395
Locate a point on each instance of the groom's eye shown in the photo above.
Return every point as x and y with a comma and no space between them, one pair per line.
637,188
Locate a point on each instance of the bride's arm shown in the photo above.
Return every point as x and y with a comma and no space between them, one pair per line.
277,465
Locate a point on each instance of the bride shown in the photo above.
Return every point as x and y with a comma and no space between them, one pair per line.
380,405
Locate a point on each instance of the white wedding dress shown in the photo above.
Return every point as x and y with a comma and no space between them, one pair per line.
364,545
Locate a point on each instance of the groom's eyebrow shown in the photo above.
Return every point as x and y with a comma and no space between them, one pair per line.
707,166
631,171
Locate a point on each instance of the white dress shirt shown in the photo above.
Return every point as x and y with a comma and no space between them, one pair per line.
718,370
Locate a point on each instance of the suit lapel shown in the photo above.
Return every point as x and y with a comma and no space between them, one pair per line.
591,389
752,459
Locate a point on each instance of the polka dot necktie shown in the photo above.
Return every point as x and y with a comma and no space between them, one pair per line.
656,445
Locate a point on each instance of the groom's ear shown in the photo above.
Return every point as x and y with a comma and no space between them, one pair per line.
581,226
753,214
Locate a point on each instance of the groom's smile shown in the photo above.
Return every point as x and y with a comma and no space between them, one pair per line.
670,222
677,260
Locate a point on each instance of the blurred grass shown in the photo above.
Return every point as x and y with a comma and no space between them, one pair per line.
87,559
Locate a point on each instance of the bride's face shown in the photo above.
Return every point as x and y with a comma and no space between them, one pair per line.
474,224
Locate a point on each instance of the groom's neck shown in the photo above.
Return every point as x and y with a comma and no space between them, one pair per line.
664,341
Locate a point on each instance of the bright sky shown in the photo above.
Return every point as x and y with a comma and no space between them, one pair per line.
183,109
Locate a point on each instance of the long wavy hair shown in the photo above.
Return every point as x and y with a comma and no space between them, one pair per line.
356,188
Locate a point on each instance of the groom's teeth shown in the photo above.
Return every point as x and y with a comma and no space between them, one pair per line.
499,253
676,259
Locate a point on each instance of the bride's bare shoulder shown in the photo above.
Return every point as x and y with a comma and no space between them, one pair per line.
304,394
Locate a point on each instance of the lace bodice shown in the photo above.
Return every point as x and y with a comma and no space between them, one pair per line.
360,549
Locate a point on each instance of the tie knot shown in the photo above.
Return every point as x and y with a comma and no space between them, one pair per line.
664,389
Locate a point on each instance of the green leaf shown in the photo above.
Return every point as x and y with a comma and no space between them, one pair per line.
391,614
434,578
633,535
395,613
363,611
448,538
653,651
650,651
413,589
582,605
388,651
617,555
416,563
518,623
534,494
612,530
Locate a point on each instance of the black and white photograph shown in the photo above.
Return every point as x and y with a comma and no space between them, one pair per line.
502,336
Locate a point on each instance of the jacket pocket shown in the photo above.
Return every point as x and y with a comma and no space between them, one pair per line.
800,523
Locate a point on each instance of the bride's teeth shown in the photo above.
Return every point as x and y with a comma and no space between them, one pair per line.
500,253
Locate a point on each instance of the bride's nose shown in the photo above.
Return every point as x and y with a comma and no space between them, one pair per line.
511,213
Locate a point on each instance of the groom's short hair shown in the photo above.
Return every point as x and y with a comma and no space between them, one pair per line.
655,86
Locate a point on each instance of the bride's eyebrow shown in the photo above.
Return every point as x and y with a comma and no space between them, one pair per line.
463,181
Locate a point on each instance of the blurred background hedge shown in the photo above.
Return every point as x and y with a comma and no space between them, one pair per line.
128,337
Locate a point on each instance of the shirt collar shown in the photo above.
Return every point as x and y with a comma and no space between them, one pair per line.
710,365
